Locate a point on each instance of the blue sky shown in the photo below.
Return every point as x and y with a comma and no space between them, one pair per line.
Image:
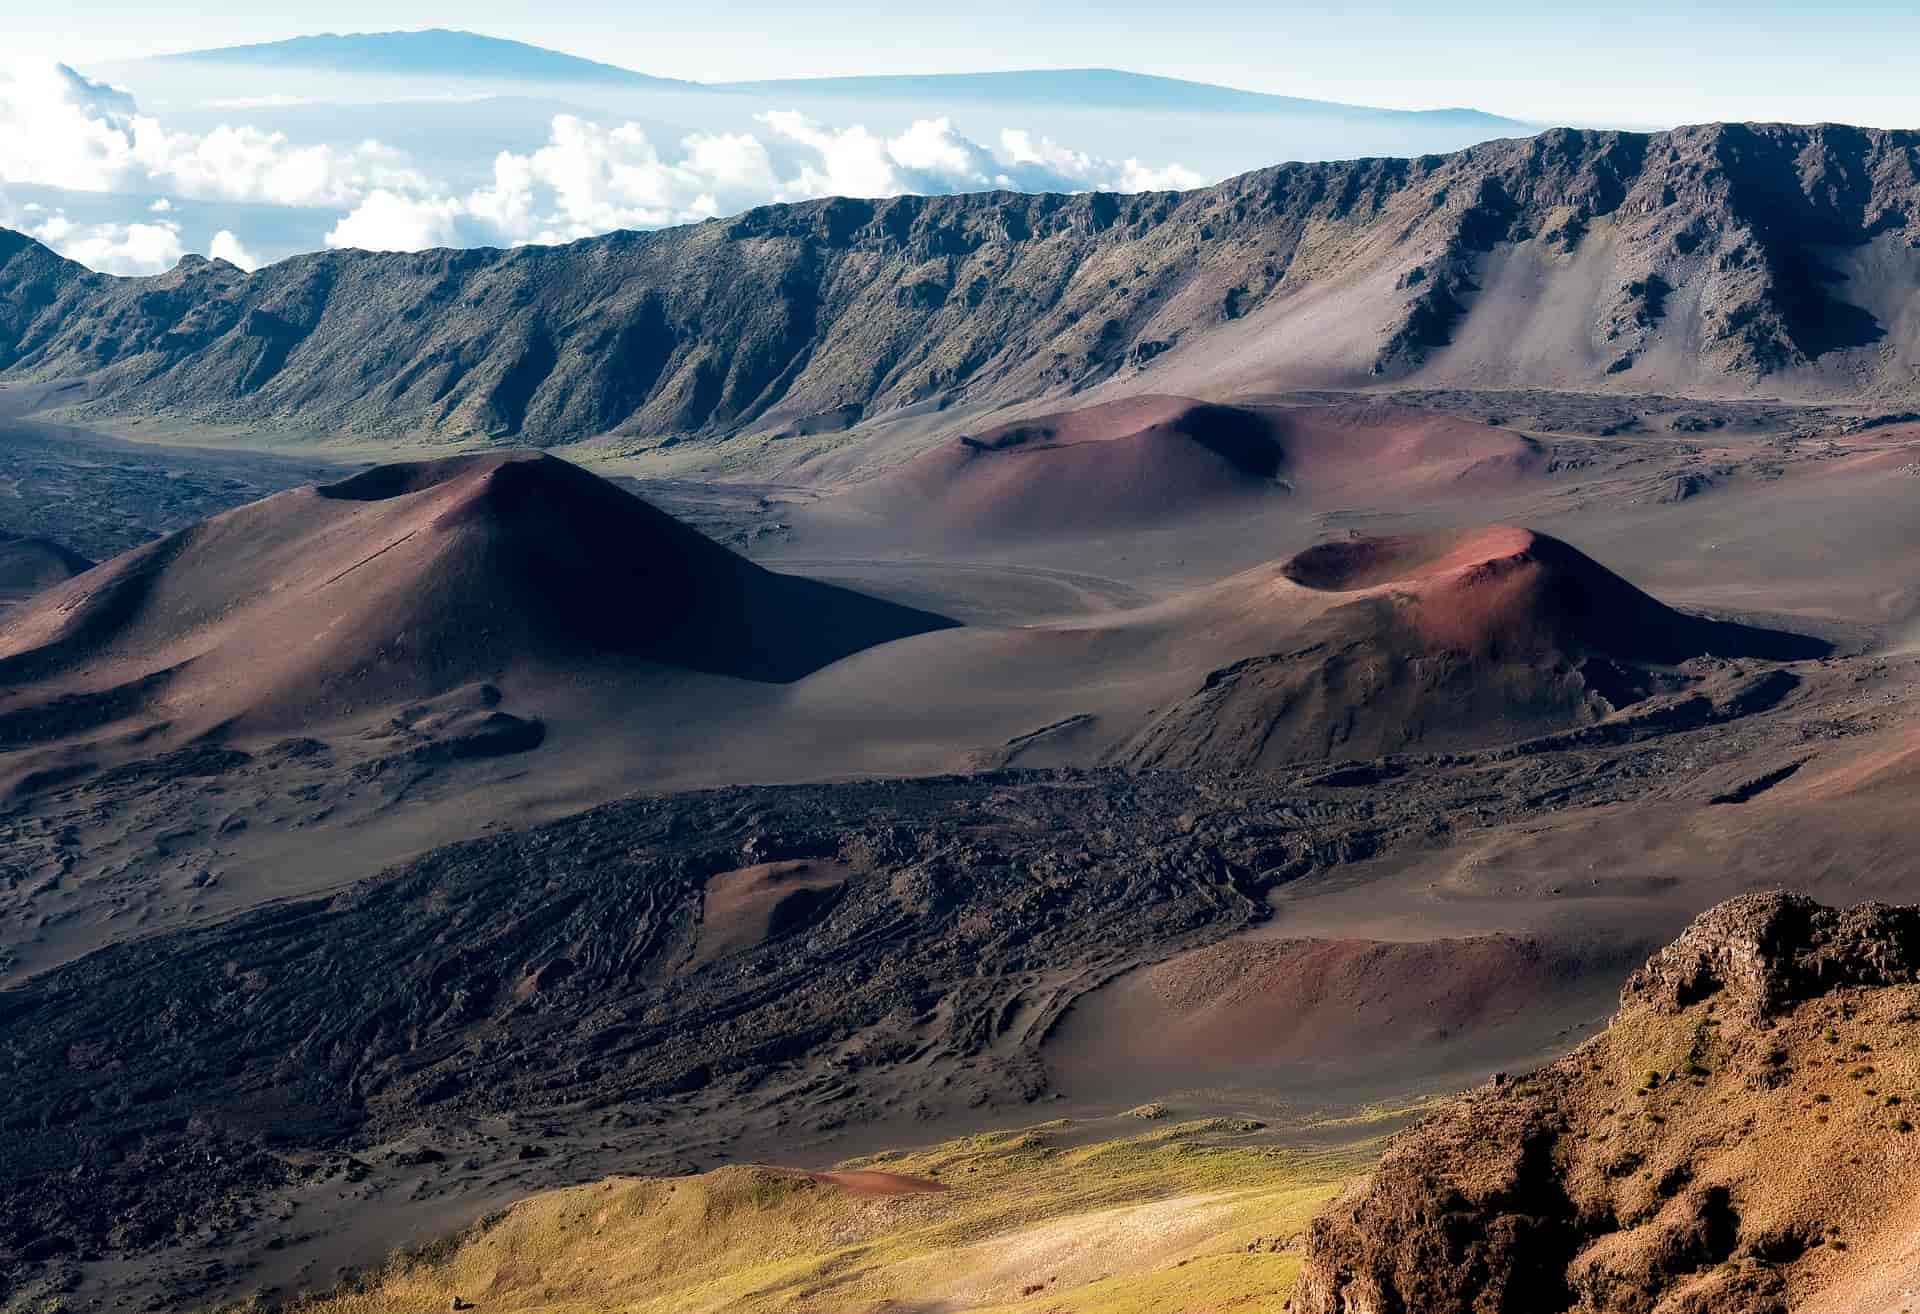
1632,63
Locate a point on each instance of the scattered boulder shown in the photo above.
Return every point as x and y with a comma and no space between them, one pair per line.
1686,486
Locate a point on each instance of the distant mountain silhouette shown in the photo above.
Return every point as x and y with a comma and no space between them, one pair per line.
436,51
1110,88
469,55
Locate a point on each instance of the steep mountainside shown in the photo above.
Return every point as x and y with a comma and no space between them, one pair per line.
1448,640
407,581
1710,259
1738,1140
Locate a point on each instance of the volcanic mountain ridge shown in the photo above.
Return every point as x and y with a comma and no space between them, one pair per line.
1702,260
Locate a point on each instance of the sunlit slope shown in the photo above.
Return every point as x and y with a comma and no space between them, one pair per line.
1194,1217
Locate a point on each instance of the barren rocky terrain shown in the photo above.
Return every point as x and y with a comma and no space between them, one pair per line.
684,980
858,674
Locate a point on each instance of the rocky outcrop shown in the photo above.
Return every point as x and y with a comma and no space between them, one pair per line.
1763,953
1720,254
1735,1141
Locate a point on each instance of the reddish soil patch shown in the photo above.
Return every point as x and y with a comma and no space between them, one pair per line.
1382,448
1122,463
411,579
755,904
1279,1001
1350,565
1507,590
1440,642
1147,459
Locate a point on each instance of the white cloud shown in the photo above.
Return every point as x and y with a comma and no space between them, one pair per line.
61,129
930,157
1072,167
591,179
277,101
932,146
138,248
126,249
508,205
247,164
388,221
227,247
58,128
853,161
1138,177
933,158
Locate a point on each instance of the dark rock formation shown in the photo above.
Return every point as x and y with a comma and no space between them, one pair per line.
1762,953
1721,239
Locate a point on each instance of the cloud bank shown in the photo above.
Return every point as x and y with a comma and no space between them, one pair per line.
60,129
141,247
136,248
590,179
225,246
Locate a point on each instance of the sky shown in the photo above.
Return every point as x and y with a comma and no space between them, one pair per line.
1629,62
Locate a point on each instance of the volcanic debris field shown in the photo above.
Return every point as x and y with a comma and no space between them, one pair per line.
1136,696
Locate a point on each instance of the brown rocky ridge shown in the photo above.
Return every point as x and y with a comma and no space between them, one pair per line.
1739,1140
